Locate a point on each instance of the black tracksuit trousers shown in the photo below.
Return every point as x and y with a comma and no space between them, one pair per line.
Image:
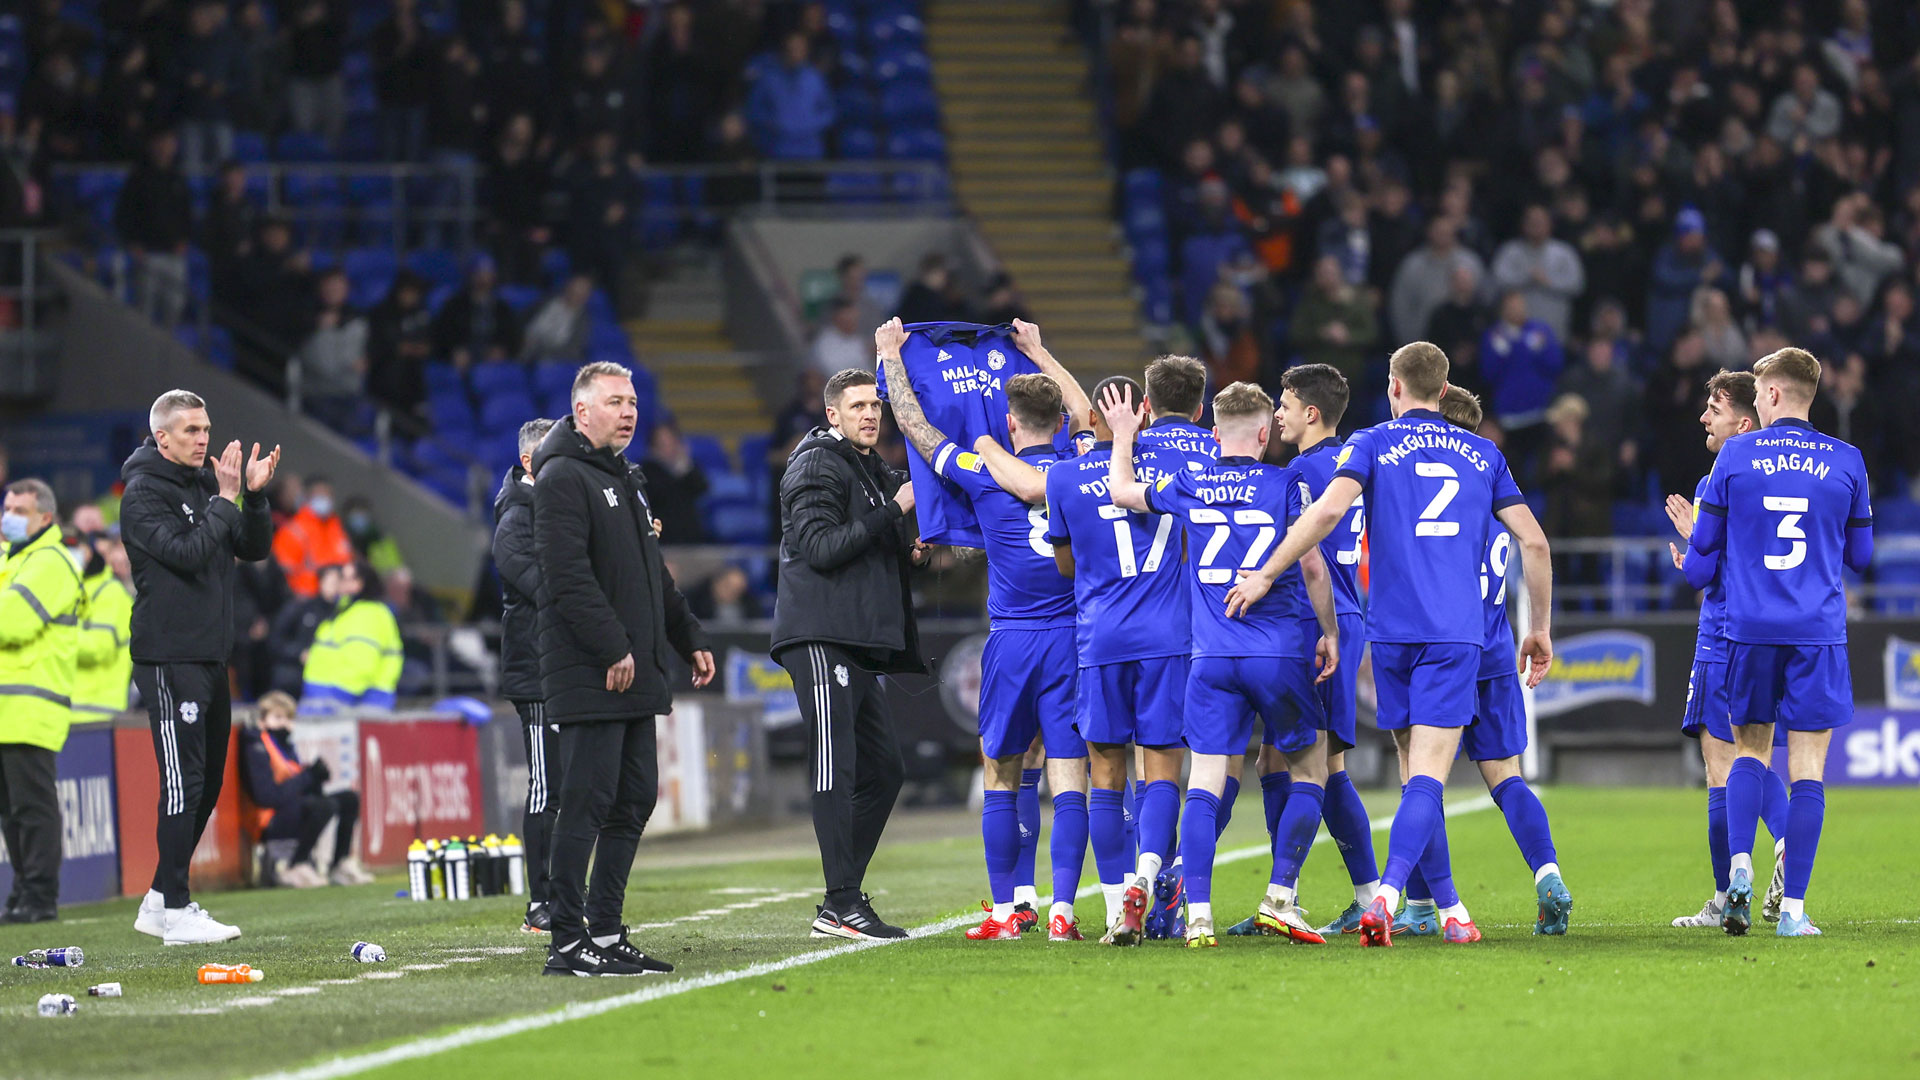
857,769
609,780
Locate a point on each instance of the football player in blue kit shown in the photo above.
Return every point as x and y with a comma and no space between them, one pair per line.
1253,667
1729,412
1788,508
1027,669
1432,492
1131,632
1498,735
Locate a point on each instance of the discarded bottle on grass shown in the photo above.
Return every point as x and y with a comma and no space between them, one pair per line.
58,1005
68,957
368,953
104,990
230,973
419,864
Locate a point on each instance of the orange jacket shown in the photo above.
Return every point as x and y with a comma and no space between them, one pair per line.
305,544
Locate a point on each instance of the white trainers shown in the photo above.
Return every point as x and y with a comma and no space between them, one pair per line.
191,926
1776,888
1711,915
298,875
152,919
350,872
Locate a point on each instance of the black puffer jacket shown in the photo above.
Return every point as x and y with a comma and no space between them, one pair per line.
182,538
846,551
519,570
604,591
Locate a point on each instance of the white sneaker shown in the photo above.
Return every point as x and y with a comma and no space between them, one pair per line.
350,872
298,875
1711,915
1776,888
191,926
152,919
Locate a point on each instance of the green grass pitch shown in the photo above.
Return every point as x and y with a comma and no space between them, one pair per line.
1623,995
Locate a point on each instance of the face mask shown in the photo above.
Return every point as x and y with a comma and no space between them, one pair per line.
321,505
13,527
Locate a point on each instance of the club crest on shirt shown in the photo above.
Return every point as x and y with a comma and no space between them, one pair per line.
840,674
996,359
187,510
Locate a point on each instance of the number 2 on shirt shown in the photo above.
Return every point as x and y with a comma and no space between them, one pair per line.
1256,551
1430,523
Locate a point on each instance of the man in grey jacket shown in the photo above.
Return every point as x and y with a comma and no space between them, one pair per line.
1544,270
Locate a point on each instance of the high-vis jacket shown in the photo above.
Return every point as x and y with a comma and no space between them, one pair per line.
41,608
355,659
105,657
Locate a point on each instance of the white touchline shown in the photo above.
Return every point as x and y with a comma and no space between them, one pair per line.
478,1033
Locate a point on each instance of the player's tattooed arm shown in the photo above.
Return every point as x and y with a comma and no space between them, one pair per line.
907,413
1026,338
1313,526
1015,477
1123,419
1313,570
1536,563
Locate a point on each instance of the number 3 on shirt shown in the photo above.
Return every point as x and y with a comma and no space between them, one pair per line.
1123,541
1789,529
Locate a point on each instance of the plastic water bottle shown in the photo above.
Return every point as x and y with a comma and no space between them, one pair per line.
496,866
516,856
419,871
229,973
459,884
104,990
68,956
58,1005
436,871
368,953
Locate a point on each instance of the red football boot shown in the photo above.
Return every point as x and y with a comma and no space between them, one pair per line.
1376,925
1461,933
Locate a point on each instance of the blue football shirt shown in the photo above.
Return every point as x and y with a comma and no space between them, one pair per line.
1497,653
1342,549
1193,442
1431,490
1025,590
1787,507
1129,587
1234,512
1710,641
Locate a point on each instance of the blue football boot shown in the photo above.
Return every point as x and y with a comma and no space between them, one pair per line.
1419,920
1796,926
1347,923
1246,927
1167,917
1556,905
1739,914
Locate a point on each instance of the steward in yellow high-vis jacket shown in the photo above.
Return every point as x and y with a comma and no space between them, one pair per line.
105,674
41,607
356,657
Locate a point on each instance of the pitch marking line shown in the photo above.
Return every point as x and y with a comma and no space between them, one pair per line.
355,1064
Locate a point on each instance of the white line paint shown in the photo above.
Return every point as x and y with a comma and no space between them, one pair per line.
333,982
384,975
490,950
295,991
421,967
466,959
249,1002
351,1065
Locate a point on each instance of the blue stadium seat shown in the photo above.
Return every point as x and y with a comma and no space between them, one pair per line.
520,297
298,146
452,415
370,269
553,378
249,147
505,412
445,379
710,454
738,521
498,377
437,265
858,144
1897,514
753,451
555,266
723,486
1142,183
855,105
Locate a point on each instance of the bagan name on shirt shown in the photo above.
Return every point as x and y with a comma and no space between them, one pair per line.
1793,462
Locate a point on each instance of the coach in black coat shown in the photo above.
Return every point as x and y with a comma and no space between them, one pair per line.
610,617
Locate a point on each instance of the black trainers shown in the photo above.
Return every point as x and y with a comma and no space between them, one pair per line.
538,921
622,950
587,961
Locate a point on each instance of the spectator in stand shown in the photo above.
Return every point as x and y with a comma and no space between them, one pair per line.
1393,230
317,49
1521,358
1683,265
1227,343
681,90
1805,313
125,109
1185,104
1335,323
791,107
514,191
1459,323
1764,282
154,218
211,72
1214,242
292,802
262,101
333,358
1847,410
1347,240
475,325
600,99
1613,400
356,657
402,78
558,331
932,296
371,544
294,625
456,109
1424,279
851,271
274,288
1576,473
1804,114
314,538
1296,92
675,485
1855,237
399,346
841,344
725,599
56,100
1676,393
1003,302
1544,270
1712,318
599,192
227,232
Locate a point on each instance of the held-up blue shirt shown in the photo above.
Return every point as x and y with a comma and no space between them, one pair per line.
1497,653
1787,507
1342,548
1024,588
1234,512
1184,437
1432,490
1703,573
1130,594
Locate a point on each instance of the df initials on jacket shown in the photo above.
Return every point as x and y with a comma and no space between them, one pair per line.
604,590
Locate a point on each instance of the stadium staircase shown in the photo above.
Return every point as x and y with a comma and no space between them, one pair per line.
703,379
1027,164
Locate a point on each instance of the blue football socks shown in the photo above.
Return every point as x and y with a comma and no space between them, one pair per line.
1273,795
1773,805
1068,844
1107,824
1350,828
1227,798
1198,843
1159,813
1000,831
1422,808
1526,820
1298,823
1717,836
1028,806
1805,816
1746,790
